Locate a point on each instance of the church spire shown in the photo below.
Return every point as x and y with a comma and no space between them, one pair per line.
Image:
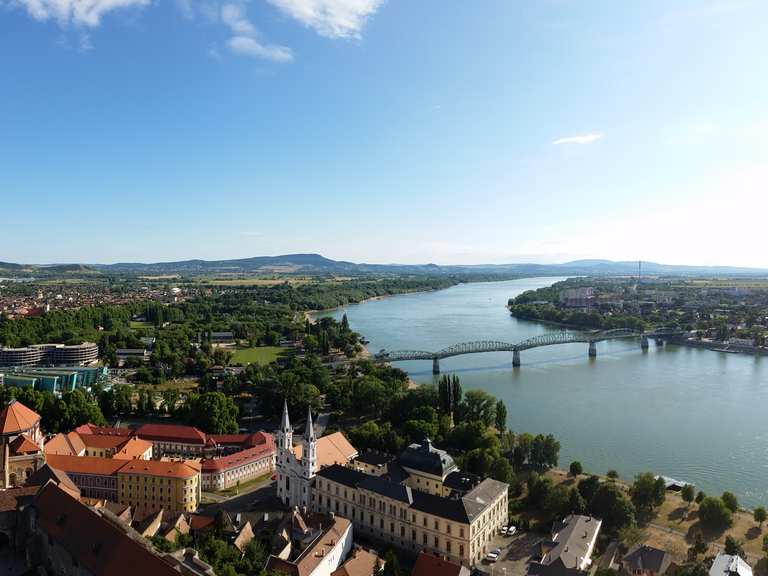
309,433
285,424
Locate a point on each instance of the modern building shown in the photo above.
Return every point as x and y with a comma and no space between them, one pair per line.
298,465
124,354
22,444
569,552
727,565
58,354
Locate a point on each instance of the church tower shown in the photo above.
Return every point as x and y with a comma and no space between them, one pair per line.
285,458
309,449
285,434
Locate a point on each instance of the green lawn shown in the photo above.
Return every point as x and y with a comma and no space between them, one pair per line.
235,490
260,355
135,324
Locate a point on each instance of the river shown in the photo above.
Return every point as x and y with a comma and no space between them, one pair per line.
692,414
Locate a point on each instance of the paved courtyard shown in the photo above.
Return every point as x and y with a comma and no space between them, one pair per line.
516,552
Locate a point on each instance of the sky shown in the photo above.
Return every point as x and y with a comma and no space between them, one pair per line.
407,131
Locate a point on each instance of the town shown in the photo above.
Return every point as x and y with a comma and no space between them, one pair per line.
279,447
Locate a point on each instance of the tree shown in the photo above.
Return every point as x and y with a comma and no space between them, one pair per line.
576,503
344,323
698,547
575,468
214,413
688,493
391,563
456,396
760,515
700,496
501,416
613,506
612,475
733,547
765,544
478,406
588,488
714,514
648,492
730,501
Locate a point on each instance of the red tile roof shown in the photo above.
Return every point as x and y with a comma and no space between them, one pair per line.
200,522
103,442
132,448
103,430
85,464
9,498
107,550
69,444
238,458
171,433
17,418
173,469
429,565
23,444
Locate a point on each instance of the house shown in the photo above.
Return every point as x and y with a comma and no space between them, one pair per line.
431,565
22,444
642,560
360,563
569,553
317,546
727,565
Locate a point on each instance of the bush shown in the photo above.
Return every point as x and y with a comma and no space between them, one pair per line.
714,514
576,468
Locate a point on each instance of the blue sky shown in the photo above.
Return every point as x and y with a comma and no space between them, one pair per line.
384,131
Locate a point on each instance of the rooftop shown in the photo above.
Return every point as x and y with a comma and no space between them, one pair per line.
69,444
238,458
727,565
131,449
429,565
16,418
647,558
331,449
426,458
175,469
85,464
171,432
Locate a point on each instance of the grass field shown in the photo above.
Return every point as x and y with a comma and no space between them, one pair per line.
180,384
135,324
261,355
234,490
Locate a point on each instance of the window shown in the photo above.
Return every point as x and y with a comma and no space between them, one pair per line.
437,543
461,550
424,538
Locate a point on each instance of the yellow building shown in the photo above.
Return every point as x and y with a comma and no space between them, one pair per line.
149,485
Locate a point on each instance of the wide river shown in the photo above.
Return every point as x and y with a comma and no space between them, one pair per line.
692,414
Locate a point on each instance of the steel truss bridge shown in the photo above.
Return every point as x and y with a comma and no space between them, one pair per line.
548,339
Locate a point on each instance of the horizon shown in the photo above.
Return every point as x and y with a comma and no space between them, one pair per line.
523,132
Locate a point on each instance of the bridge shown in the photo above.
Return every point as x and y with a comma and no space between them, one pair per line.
548,339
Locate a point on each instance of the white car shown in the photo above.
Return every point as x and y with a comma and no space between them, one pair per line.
511,530
493,555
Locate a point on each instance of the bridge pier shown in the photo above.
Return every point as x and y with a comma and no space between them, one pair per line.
592,350
660,342
644,342
515,358
435,366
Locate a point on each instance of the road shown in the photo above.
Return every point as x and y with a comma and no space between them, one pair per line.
258,498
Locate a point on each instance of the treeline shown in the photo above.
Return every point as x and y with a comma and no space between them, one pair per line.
56,414
577,319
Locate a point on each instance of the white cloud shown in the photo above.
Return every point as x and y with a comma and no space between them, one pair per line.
580,139
245,38
331,18
86,13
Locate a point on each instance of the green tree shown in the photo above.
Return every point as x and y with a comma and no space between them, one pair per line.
213,413
588,487
391,563
688,493
456,396
575,468
648,492
612,505
576,503
478,406
698,547
733,546
501,416
700,496
612,475
714,514
729,499
760,515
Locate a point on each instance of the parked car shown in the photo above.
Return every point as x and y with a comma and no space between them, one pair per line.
493,555
511,530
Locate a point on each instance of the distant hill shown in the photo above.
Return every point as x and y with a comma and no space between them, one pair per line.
315,264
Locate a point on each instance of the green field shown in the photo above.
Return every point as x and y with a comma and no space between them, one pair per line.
260,355
136,325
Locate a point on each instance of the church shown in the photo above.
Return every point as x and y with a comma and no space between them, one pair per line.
298,465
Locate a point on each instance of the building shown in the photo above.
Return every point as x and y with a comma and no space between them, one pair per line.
642,560
298,465
134,449
145,485
360,563
431,565
173,440
124,354
150,485
22,444
316,546
569,552
459,527
51,533
577,297
95,477
239,467
727,565
58,354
